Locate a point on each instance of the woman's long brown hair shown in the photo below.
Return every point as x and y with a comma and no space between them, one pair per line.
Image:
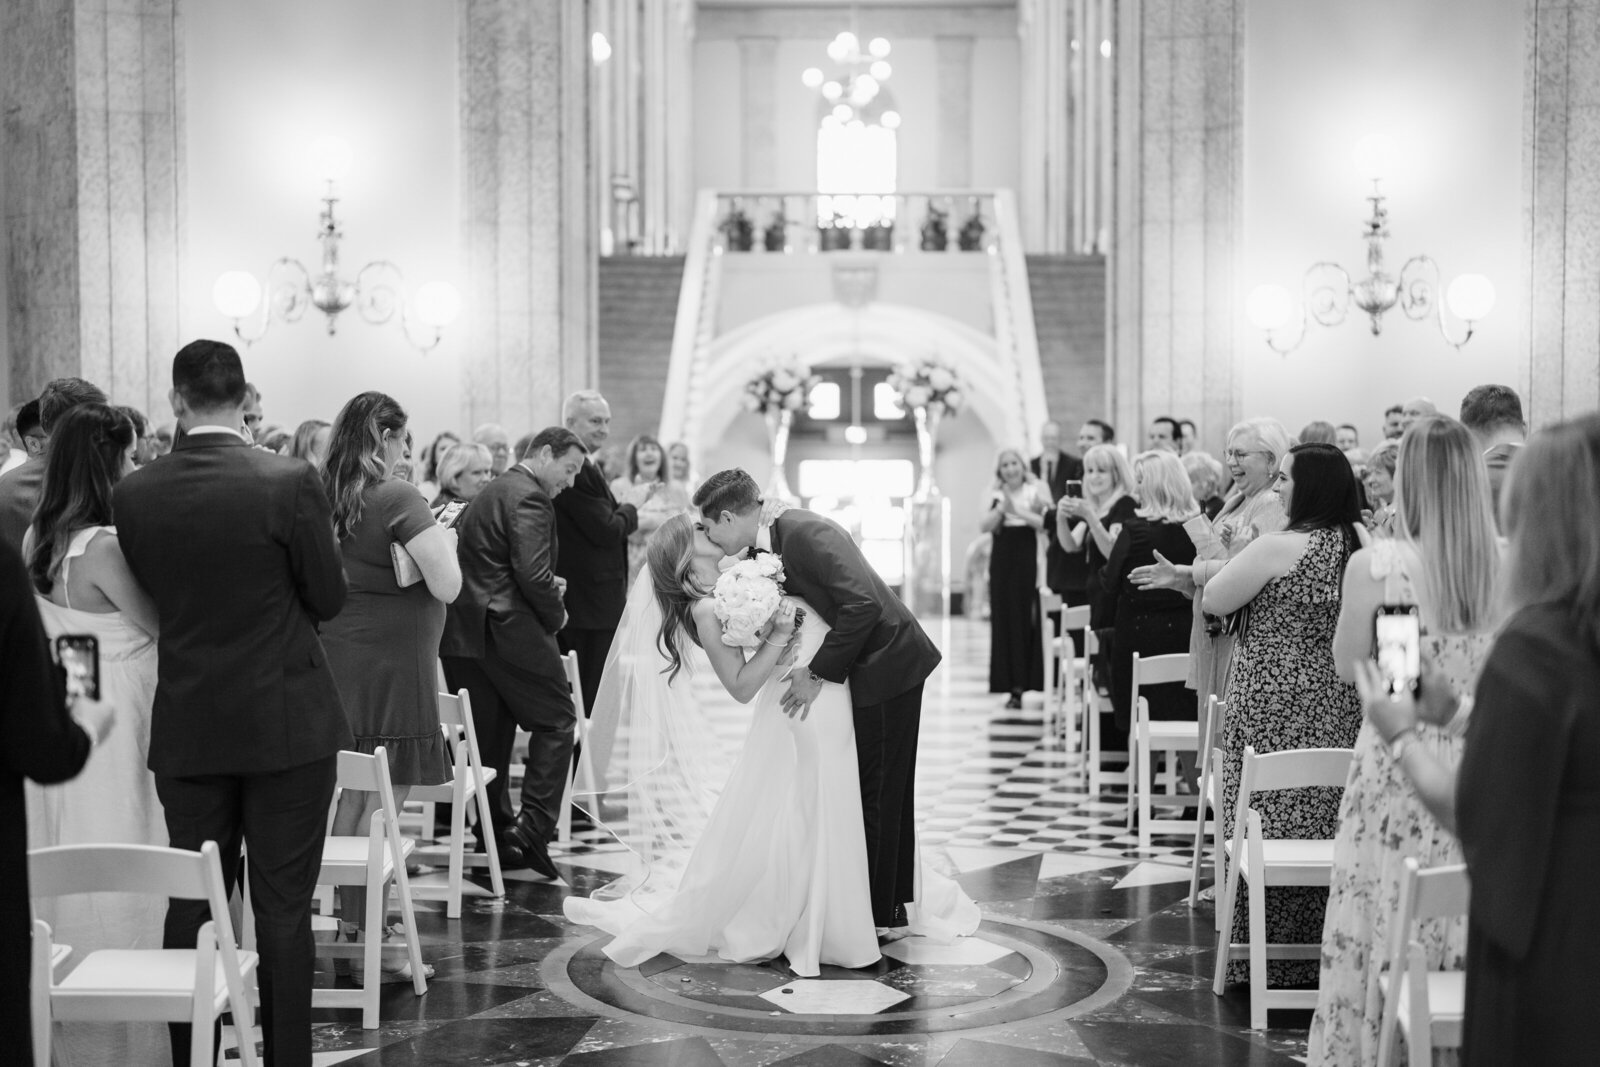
87,448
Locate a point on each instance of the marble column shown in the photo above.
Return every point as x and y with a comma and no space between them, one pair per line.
1178,215
1045,30
529,212
91,147
1561,210
758,93
952,58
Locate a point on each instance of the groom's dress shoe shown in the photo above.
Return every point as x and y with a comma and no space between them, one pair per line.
532,849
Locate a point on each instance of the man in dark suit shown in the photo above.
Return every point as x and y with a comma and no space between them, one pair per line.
1065,573
235,546
594,531
499,640
874,643
19,488
1494,415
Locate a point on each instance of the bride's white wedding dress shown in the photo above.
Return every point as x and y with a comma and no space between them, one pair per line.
779,865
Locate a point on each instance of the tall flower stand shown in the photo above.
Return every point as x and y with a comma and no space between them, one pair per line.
779,420
928,533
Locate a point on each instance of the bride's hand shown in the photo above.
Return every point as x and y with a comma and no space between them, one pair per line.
785,620
771,509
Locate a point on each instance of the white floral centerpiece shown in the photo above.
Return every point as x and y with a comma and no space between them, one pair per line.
928,383
783,386
745,598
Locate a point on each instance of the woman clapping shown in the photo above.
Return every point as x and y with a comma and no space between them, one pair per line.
1014,510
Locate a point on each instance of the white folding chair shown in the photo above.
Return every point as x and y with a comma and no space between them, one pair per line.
1094,757
1049,604
1208,798
1265,862
377,862
582,772
468,785
1158,736
1426,1006
190,985
1077,684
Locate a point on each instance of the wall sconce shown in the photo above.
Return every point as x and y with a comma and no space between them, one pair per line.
1328,292
376,292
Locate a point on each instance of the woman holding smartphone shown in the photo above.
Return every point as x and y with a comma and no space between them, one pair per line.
84,588
1014,511
1442,564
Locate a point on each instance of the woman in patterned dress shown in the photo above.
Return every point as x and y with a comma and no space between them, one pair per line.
1445,559
1283,692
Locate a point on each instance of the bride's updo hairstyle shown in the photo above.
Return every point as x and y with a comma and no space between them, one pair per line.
670,553
88,453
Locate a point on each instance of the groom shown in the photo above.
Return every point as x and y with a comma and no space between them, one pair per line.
874,643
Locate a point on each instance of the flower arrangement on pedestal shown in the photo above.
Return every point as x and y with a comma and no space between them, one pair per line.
777,393
929,390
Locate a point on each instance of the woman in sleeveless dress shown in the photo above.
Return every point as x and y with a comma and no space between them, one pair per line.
647,484
776,860
1443,558
1283,692
83,586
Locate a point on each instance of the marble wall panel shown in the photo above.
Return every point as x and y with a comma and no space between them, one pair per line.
953,64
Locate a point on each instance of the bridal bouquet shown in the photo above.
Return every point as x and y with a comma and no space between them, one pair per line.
926,383
745,598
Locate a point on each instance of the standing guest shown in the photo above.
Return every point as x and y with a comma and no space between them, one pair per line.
19,490
1053,466
1283,692
383,648
1378,479
431,482
42,741
310,442
680,467
1163,435
646,484
594,531
164,437
1013,512
1063,571
83,586
1151,622
1346,437
16,449
1443,560
1523,802
500,641
19,486
275,439
1494,415
1255,448
144,449
1207,479
254,419
1394,422
1188,436
1416,408
463,472
236,548
1095,432
1319,433
494,437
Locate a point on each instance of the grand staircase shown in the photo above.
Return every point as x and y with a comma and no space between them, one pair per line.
1069,319
638,306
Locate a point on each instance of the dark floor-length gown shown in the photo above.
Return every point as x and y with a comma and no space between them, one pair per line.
1016,651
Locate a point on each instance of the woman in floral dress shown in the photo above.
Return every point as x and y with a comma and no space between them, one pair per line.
1283,692
1445,559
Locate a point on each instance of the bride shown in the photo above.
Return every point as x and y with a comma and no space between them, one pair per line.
771,863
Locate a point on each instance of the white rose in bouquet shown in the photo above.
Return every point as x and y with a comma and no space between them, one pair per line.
745,598
918,396
941,378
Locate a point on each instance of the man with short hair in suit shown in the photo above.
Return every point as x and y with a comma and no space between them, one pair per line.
19,488
1065,573
594,532
235,545
1494,415
499,640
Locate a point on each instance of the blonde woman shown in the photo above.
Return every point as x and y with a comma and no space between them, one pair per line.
648,468
1445,560
1151,622
1089,521
1014,511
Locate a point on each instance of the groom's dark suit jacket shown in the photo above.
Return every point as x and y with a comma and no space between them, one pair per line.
235,546
875,642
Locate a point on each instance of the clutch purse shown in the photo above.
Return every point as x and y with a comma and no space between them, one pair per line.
406,571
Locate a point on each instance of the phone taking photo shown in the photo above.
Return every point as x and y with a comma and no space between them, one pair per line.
1073,488
79,656
1397,646
451,512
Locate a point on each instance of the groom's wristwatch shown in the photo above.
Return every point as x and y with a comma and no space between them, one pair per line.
815,677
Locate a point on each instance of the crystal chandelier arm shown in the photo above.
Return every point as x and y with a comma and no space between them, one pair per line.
286,296
378,289
419,335
1327,293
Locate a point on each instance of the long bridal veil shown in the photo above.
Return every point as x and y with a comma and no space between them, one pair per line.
652,766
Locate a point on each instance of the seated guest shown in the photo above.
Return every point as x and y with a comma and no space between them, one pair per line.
19,490
1163,435
494,437
1284,692
83,586
383,647
1013,512
1494,415
1443,560
1346,437
1207,479
1319,433
1378,480
310,442
645,484
1523,801
431,483
1151,622
1095,432
463,471
1188,436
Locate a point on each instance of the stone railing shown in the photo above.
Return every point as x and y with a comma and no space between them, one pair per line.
778,222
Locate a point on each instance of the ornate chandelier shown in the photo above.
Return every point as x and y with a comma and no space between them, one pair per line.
852,90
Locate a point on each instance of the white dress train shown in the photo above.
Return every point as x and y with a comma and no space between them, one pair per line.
780,868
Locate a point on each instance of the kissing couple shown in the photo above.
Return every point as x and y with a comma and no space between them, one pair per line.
807,847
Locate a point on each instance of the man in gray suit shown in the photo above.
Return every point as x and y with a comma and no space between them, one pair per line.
499,640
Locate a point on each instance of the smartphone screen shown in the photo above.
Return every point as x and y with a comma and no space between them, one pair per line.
80,658
1073,488
1397,645
451,512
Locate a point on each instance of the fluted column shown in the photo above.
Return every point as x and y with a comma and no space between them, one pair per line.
91,148
1045,30
759,94
953,72
529,211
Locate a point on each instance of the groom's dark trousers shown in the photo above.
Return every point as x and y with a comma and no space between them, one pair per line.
886,755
